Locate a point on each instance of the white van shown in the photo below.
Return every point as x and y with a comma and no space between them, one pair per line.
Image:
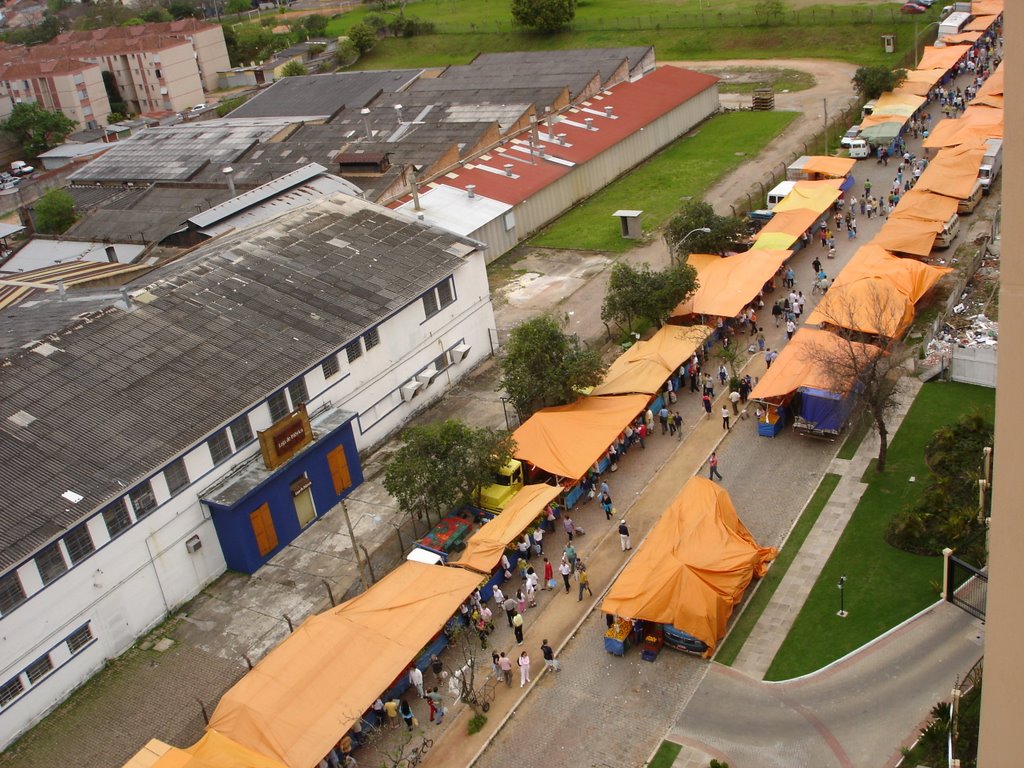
949,231
969,203
778,193
859,149
868,108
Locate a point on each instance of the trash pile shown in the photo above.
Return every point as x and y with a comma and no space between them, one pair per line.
974,321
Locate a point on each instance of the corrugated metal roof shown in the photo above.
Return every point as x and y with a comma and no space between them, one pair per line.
257,195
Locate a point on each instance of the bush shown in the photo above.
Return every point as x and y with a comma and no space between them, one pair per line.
54,212
227,106
346,54
363,38
476,723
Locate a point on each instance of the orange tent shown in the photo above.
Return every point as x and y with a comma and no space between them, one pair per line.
567,439
796,366
962,38
953,171
976,125
926,205
693,566
814,195
912,278
212,751
485,547
980,23
826,165
942,58
908,234
727,285
307,692
644,367
785,228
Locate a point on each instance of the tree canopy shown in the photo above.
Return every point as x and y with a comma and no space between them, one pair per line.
363,37
544,15
541,365
638,293
294,69
683,240
54,212
872,82
37,129
440,466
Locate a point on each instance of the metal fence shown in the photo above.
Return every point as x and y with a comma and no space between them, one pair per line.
967,587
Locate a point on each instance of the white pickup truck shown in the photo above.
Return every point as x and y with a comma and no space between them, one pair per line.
21,168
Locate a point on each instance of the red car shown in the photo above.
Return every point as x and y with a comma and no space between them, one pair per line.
913,8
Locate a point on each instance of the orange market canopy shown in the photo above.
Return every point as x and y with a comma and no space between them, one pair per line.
306,693
826,165
980,23
726,285
962,38
644,367
912,278
785,228
927,205
908,234
944,58
567,439
212,751
976,124
896,105
812,195
800,365
693,567
485,547
953,171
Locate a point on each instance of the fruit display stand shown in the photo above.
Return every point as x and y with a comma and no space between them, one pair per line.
616,639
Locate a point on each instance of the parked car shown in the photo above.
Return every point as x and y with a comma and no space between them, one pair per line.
913,7
199,107
849,136
21,168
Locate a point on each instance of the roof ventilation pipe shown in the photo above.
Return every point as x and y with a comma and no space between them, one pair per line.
471,190
365,112
590,123
111,254
508,169
608,110
398,113
560,138
230,179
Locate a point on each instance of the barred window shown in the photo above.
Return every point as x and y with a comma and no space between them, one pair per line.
50,563
371,338
143,500
441,362
11,690
445,293
430,307
117,518
220,448
353,351
39,669
79,543
330,366
278,406
298,392
176,475
80,638
241,431
12,593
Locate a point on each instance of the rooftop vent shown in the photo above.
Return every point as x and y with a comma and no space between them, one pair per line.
471,190
590,123
560,138
608,110
21,418
508,169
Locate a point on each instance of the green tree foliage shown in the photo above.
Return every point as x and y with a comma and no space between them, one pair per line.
315,25
184,9
51,26
544,15
37,129
642,294
105,13
725,230
872,82
251,43
228,106
345,55
54,212
363,38
294,69
768,11
541,365
237,6
155,14
439,466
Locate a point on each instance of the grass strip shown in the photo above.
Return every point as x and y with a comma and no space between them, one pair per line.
665,756
748,619
685,168
858,432
884,586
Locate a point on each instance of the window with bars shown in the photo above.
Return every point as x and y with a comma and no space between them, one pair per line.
12,593
50,562
117,518
220,448
176,475
441,362
80,638
79,543
298,393
354,351
445,293
11,690
430,307
278,406
330,366
439,297
39,669
371,338
143,500
241,431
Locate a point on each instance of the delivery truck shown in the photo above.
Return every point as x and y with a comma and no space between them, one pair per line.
991,163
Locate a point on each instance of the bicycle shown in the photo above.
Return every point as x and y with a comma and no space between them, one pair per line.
417,753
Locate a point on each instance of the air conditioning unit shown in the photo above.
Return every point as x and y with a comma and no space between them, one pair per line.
410,389
426,376
193,544
459,353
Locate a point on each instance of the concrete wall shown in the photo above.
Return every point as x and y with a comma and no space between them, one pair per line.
975,365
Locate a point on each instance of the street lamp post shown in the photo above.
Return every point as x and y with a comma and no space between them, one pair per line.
917,42
705,230
842,583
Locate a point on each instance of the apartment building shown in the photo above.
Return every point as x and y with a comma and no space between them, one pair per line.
70,86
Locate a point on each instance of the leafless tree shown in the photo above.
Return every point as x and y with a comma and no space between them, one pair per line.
865,322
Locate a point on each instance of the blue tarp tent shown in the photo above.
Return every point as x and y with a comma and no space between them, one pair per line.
822,411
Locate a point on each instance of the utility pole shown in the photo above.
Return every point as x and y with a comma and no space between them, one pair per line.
825,103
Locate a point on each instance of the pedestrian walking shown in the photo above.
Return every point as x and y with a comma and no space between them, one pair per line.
524,669
713,467
663,418
723,375
569,554
725,417
531,593
506,668
584,580
816,265
565,569
790,329
435,663
550,662
391,710
606,505
538,541
509,606
677,420
499,597
520,602
734,398
406,712
768,357
706,400
517,628
416,680
777,311
624,541
567,523
549,575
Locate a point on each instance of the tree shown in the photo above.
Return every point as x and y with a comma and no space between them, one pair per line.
541,365
641,294
872,82
156,14
682,240
315,24
183,9
237,6
855,316
440,466
544,15
363,38
54,212
37,129
767,10
294,69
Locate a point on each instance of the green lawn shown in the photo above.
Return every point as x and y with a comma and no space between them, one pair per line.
744,625
686,168
665,755
858,431
676,28
885,586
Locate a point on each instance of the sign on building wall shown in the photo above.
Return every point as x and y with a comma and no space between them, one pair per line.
285,438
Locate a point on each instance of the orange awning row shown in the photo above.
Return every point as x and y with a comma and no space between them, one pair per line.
644,367
728,284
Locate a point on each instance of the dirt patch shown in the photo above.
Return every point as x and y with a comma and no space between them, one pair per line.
746,79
